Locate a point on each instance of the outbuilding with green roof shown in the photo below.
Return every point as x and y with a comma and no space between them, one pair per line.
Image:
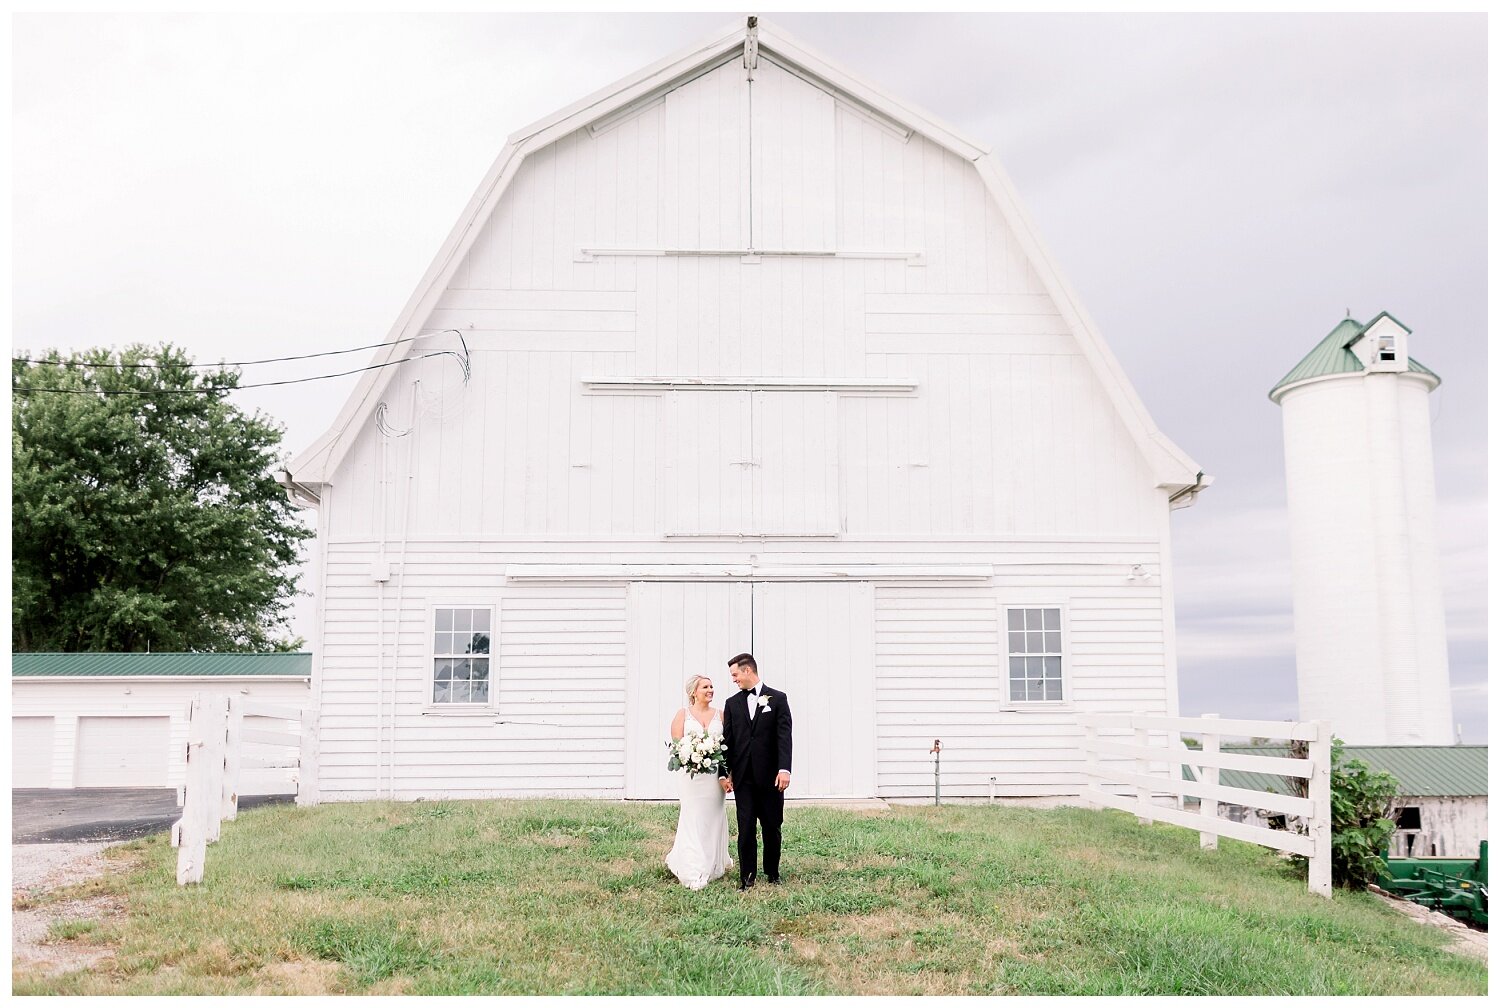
120,720
1442,805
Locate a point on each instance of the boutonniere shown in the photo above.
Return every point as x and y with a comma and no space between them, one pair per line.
764,702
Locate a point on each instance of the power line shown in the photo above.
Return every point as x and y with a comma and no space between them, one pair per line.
26,390
267,360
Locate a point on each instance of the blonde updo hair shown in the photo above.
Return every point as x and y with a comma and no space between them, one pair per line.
692,686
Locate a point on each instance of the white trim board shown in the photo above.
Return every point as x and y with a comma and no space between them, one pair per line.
742,572
748,384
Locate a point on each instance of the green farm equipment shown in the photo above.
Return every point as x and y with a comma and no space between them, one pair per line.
1457,887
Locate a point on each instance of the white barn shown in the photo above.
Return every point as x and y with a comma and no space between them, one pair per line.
738,354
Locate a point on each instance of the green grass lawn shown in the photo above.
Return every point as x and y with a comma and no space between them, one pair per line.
571,897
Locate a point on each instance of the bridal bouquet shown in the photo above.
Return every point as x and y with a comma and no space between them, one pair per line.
697,753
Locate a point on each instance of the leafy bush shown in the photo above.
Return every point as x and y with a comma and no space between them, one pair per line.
1360,805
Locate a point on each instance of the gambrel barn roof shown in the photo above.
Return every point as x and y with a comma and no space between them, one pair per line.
1172,468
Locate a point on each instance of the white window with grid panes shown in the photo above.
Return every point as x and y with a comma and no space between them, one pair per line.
1034,646
461,655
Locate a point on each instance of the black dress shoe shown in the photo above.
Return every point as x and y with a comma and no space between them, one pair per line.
774,879
746,881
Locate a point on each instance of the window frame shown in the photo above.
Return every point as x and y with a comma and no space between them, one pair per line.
1065,653
1385,343
430,652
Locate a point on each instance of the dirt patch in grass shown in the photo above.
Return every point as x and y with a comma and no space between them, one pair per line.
216,958
892,951
299,976
47,940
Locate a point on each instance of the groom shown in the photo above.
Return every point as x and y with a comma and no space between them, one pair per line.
758,735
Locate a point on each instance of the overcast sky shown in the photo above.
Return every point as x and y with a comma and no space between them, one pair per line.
1218,189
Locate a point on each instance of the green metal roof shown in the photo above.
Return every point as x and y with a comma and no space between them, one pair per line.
1423,771
293,663
1332,355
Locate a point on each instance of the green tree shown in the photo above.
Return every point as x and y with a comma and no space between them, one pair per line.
144,510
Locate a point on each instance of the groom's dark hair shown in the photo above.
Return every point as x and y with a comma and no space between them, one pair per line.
744,658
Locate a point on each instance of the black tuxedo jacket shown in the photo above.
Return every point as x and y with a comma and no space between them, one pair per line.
761,747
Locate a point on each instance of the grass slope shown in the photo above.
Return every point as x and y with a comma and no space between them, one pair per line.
571,897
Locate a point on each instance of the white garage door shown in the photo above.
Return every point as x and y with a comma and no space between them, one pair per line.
123,751
31,752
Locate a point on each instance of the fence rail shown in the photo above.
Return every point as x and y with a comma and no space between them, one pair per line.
1106,780
220,750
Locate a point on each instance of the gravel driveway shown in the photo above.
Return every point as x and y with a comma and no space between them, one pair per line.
58,838
35,869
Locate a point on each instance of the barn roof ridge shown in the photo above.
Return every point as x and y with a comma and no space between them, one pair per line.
1172,467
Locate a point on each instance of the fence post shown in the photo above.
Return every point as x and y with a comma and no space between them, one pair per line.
1320,790
189,835
1143,791
230,793
1090,761
216,725
307,757
1208,806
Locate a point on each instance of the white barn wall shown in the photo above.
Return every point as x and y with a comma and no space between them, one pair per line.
560,677
1010,452
973,326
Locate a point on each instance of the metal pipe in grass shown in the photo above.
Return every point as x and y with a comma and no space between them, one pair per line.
937,763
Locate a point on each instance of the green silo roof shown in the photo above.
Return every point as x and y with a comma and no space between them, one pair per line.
1332,355
1423,771
290,663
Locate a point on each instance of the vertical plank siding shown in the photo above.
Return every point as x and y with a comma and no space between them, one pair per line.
1008,453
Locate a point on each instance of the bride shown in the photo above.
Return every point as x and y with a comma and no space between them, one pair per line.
700,853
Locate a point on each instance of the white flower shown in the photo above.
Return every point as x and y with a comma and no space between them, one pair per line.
764,701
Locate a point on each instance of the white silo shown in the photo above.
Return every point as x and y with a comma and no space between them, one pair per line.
1372,651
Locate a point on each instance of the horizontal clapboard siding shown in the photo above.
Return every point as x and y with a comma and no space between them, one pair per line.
556,724
561,680
940,674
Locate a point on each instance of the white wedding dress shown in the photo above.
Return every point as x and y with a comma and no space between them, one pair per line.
700,852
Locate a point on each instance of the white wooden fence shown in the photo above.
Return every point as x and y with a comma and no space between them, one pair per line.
1130,743
222,746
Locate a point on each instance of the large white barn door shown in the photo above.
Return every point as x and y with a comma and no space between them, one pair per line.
708,457
795,488
674,629
815,641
